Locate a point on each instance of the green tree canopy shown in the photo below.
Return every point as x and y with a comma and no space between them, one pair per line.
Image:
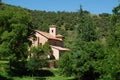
15,28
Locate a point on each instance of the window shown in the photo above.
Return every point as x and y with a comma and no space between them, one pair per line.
52,31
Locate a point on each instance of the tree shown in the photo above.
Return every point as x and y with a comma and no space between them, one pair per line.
112,62
109,66
65,64
47,48
86,28
0,0
37,60
15,29
39,53
84,50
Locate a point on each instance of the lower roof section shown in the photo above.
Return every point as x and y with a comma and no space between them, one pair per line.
60,48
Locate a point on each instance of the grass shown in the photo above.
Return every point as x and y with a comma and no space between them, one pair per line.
3,73
28,78
58,76
3,61
55,71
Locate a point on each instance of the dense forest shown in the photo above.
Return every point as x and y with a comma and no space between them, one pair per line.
93,40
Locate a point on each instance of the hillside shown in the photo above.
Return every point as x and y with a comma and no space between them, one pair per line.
93,40
67,22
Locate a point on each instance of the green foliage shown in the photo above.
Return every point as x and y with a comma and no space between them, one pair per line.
3,69
65,64
15,28
42,20
94,41
47,48
90,58
86,28
117,34
33,64
41,51
82,61
116,10
37,59
37,52
111,62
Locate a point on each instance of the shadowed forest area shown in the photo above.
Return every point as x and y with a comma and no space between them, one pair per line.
93,40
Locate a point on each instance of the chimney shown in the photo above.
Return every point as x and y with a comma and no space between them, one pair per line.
52,30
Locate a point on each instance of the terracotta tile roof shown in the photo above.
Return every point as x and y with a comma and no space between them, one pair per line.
60,48
47,35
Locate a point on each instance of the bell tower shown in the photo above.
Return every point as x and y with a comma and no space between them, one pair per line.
52,30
